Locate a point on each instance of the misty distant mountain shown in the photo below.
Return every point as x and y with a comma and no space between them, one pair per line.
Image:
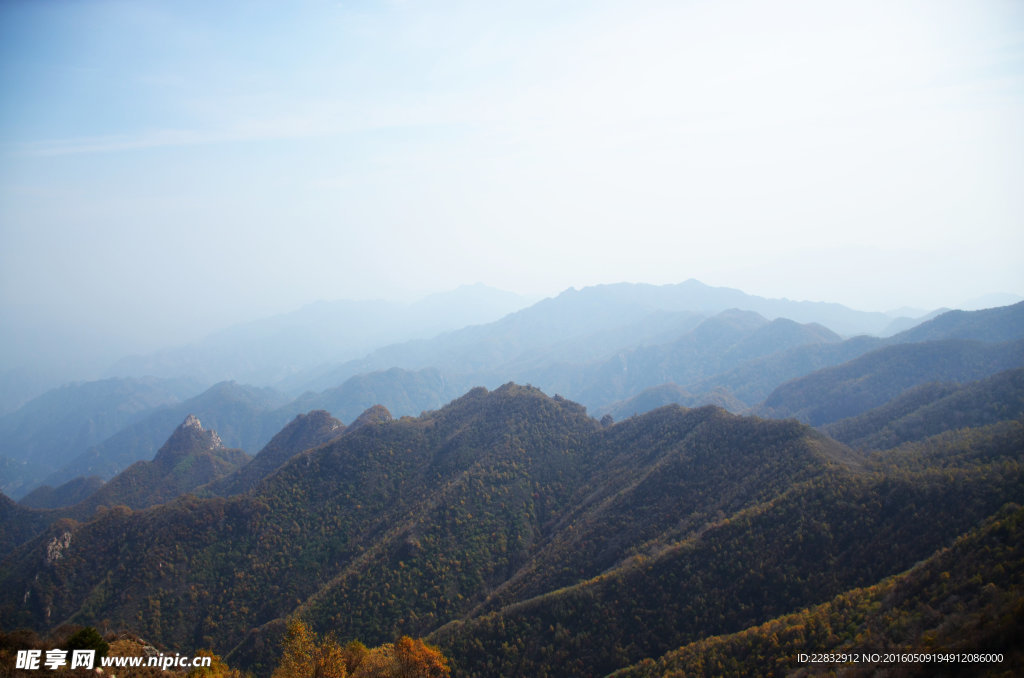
722,363
902,323
245,417
22,384
406,392
871,380
41,349
991,301
586,325
717,344
598,346
276,348
668,394
752,381
1003,323
52,429
755,380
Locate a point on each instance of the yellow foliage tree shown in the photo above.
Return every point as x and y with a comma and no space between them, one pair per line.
405,658
307,656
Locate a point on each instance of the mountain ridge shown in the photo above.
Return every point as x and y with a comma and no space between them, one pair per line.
510,517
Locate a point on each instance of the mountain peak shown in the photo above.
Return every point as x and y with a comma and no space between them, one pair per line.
306,431
191,422
373,415
188,438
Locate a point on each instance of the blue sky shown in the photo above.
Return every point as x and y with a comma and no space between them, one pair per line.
167,168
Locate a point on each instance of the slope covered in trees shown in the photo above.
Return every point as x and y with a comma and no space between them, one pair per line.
516,533
68,494
305,432
933,408
841,530
965,599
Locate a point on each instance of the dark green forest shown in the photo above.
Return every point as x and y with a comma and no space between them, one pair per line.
523,537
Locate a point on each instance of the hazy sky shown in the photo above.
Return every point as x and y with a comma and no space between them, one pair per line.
167,167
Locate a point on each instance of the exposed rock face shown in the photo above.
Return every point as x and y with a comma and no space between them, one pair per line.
189,438
56,548
191,458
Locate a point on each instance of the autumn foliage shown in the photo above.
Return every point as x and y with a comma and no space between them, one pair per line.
306,655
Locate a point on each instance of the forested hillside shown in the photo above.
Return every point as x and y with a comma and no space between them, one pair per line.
933,408
517,533
966,599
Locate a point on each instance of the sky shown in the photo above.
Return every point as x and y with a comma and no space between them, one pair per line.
169,168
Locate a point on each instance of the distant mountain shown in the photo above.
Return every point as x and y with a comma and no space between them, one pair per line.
1005,323
245,417
871,380
21,384
694,346
932,408
735,359
716,345
991,301
278,348
586,325
464,306
694,296
52,429
193,456
904,323
406,392
668,394
753,381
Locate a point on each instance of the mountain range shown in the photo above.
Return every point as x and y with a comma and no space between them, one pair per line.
734,359
682,489
514,531
273,349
